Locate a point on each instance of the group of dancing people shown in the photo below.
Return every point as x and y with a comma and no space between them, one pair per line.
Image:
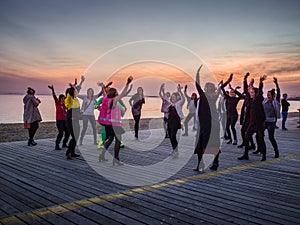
211,107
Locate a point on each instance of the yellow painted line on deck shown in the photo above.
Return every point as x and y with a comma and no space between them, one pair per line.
58,209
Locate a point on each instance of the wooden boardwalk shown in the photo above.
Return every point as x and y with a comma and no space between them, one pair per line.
39,186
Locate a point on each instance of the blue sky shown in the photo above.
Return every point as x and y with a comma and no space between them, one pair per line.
42,40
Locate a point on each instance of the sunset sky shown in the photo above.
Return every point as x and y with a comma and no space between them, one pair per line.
52,42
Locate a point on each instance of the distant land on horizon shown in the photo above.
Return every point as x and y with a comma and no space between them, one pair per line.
293,98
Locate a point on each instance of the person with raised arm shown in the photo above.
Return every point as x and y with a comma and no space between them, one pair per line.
256,114
272,111
136,102
191,106
73,113
232,99
31,116
175,116
110,117
87,111
208,122
98,104
61,116
165,97
244,120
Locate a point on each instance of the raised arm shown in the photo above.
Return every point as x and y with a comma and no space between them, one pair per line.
124,91
51,87
239,94
261,85
162,91
78,87
245,82
198,86
277,89
182,100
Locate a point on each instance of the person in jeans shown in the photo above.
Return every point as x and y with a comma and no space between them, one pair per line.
285,108
61,116
272,111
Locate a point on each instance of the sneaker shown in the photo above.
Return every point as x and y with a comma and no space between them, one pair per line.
284,128
121,145
75,155
57,147
65,146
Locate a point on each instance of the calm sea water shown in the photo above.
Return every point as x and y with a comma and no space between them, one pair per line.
12,108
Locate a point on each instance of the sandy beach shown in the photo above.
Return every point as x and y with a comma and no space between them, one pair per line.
16,132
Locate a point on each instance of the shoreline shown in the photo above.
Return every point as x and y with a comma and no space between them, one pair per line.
15,131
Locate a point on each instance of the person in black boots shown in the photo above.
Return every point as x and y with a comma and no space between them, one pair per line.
31,115
256,114
272,110
232,114
244,120
208,122
61,116
73,106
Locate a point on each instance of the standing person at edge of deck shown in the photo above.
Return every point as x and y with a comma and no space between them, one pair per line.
73,113
87,111
61,116
165,97
191,106
208,121
284,112
231,111
272,111
31,115
244,120
110,117
175,116
136,102
255,112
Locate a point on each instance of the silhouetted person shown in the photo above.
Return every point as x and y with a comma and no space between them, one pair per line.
284,112
136,102
256,114
208,122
